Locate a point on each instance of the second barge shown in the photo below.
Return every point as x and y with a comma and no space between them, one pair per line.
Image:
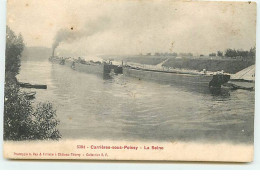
197,81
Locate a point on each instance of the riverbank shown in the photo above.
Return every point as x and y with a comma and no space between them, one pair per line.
228,65
213,64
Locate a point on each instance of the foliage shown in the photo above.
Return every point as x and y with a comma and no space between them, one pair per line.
220,53
185,54
22,121
14,48
212,54
252,52
16,111
43,122
240,53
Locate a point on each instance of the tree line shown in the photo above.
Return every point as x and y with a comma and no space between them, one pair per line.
233,53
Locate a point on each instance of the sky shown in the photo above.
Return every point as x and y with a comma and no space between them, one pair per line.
134,27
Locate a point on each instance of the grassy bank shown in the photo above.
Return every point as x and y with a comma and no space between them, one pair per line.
228,65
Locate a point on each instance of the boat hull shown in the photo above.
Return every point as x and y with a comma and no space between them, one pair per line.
97,69
243,83
103,69
196,82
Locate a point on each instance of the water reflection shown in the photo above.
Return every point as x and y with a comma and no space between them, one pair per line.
222,94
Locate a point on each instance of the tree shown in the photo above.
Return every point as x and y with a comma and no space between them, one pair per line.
231,53
186,54
14,48
212,54
17,109
240,53
43,123
21,120
252,52
220,53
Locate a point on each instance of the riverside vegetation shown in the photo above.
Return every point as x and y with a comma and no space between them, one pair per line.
230,60
22,119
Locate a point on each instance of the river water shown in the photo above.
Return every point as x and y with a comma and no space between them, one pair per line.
89,107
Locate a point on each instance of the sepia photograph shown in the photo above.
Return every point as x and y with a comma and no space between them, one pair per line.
130,80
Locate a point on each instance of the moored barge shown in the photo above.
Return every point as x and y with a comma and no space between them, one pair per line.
201,81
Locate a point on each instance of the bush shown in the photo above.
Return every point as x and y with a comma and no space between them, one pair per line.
43,122
16,111
23,122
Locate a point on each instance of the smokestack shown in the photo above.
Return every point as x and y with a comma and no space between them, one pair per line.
53,51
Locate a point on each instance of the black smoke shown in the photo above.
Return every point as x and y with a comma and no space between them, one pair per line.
72,33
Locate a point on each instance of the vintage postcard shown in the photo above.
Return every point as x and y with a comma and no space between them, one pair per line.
130,80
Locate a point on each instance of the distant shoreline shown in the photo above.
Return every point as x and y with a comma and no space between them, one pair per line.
210,63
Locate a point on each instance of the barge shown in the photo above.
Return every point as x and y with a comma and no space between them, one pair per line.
199,81
244,79
192,80
101,69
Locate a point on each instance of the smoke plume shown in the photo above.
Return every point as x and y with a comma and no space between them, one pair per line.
73,33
